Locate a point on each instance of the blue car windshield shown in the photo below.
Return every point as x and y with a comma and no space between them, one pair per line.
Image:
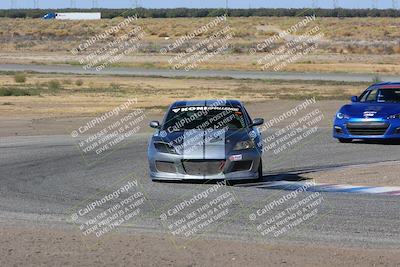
188,118
388,95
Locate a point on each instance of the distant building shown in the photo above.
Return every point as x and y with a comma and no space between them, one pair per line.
74,16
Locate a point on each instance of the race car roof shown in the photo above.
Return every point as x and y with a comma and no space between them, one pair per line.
207,103
385,85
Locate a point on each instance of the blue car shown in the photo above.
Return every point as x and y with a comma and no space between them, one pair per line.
373,115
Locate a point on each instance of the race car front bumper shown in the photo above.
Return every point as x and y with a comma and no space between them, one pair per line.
240,165
360,128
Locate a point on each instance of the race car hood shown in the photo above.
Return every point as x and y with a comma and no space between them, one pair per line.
203,144
370,110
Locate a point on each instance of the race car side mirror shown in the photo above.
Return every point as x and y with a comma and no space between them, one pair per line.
354,99
155,124
257,122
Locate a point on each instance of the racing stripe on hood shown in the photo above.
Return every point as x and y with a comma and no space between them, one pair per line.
204,144
214,144
207,143
193,140
193,144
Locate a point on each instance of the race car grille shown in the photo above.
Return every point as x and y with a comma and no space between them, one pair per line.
163,166
367,128
242,165
203,167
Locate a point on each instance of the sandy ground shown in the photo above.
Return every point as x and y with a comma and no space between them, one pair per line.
355,63
28,246
30,123
379,174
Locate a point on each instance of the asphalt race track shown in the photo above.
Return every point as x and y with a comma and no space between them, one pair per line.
66,69
42,179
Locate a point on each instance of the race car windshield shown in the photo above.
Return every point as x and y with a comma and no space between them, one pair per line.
188,118
389,95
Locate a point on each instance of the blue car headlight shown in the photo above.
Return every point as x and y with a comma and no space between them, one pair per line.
342,116
395,116
242,145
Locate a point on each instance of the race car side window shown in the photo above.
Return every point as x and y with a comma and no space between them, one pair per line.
389,95
363,96
372,96
247,116
369,96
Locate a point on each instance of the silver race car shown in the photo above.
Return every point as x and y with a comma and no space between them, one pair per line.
208,139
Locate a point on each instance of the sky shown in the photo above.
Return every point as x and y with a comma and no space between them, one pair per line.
6,4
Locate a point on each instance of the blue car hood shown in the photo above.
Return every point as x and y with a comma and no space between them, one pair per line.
383,110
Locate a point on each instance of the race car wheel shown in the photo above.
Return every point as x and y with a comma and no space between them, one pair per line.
345,140
260,171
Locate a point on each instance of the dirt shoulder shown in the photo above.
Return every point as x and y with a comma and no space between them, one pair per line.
73,113
326,63
27,246
378,174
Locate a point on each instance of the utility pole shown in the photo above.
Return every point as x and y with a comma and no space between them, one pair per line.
95,4
72,4
395,4
36,4
335,4
13,4
374,4
134,4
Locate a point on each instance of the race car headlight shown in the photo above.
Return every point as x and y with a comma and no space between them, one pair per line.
164,148
395,116
248,144
342,116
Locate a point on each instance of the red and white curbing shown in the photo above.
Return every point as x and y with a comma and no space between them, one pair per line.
332,188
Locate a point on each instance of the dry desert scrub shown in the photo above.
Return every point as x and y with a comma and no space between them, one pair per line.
46,95
348,35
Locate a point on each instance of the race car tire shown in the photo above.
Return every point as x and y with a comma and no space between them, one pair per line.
345,140
260,171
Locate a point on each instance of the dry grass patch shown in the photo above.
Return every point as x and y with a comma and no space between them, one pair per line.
101,93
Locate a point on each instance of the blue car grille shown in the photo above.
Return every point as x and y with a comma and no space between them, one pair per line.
367,128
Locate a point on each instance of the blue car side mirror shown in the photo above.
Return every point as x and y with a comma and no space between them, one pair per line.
354,99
